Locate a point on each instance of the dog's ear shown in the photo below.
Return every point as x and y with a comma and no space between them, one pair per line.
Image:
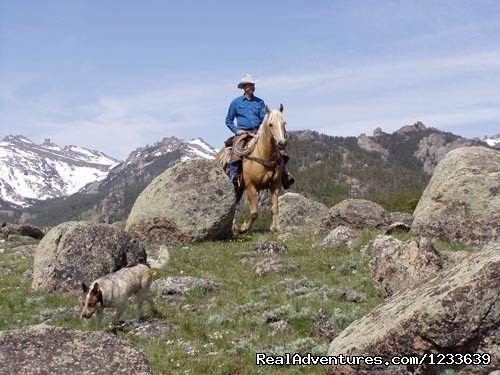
95,289
85,288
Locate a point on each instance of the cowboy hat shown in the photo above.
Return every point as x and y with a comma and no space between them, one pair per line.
246,79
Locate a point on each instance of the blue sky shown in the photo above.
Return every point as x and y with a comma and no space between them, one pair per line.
117,75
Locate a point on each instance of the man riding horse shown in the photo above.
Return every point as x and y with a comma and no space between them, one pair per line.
249,112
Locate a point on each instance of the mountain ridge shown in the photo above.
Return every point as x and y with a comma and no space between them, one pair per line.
31,172
389,168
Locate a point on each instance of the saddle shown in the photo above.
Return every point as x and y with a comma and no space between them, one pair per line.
238,141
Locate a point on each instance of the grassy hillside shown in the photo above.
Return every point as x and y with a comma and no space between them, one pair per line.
220,332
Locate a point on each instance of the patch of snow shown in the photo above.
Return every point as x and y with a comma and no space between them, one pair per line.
492,142
202,144
76,177
25,140
55,148
201,153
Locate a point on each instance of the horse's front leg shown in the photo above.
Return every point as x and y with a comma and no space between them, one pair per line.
275,225
252,201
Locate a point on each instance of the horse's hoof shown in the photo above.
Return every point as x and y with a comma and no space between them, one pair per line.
276,229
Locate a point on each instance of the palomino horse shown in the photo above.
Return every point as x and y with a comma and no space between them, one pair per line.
261,166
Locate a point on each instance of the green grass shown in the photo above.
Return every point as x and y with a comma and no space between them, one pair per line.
227,327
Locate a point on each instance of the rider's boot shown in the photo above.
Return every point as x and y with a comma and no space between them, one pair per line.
233,173
287,179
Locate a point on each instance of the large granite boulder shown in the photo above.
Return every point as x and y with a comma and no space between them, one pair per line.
297,212
191,201
50,350
462,200
359,214
402,265
74,252
457,311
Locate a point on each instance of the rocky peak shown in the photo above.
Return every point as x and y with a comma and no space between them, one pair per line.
378,132
416,127
370,145
17,138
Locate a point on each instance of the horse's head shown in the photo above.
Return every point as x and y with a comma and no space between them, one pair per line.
276,124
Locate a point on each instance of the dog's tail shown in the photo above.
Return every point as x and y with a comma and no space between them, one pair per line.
162,260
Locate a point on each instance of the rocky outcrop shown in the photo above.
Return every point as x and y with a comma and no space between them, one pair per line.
368,144
462,200
401,266
300,213
191,201
74,252
416,127
458,311
22,230
340,236
377,132
50,350
359,214
432,149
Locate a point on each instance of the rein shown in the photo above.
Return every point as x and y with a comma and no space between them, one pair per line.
267,163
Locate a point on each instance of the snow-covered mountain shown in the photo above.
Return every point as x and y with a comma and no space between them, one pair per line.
145,163
493,141
30,172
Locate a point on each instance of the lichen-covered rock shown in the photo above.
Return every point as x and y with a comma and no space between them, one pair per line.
269,247
22,230
74,252
181,285
462,200
272,265
401,217
405,265
340,236
380,244
191,201
50,350
300,213
359,214
457,311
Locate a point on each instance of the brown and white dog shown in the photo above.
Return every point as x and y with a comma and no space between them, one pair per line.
113,290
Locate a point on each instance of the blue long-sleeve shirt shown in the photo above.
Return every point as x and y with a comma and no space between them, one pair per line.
249,114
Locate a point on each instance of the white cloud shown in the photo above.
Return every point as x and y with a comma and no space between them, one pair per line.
442,91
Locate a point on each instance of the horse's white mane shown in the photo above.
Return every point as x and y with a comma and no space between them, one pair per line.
263,127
